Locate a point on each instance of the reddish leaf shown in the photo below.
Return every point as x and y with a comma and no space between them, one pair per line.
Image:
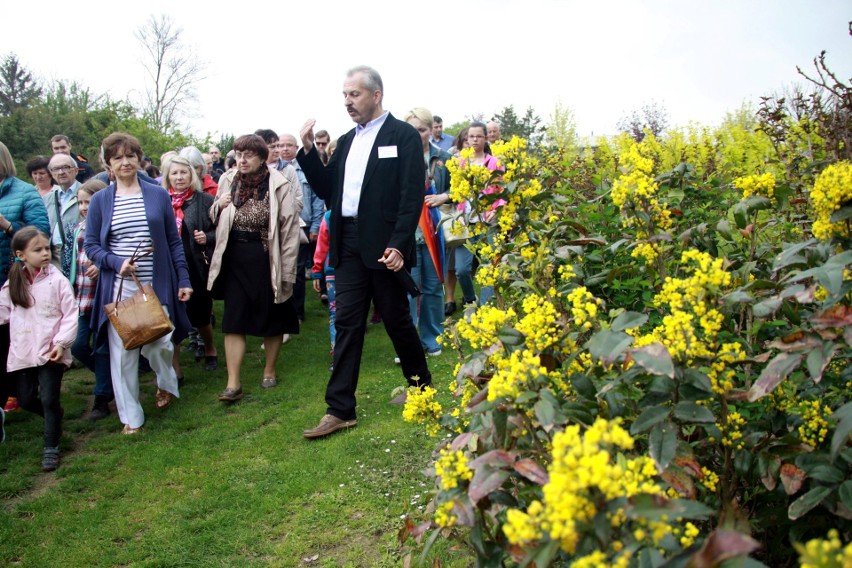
485,480
406,561
775,372
437,563
463,511
680,482
722,545
406,529
421,528
691,465
461,441
494,458
835,316
792,478
795,342
532,471
477,398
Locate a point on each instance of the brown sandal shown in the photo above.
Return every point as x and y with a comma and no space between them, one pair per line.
164,398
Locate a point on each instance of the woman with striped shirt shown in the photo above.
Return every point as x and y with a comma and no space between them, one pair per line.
125,215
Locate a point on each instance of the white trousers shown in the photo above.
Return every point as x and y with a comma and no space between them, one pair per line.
124,366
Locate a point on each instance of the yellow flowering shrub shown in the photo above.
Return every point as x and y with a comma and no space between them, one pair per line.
832,190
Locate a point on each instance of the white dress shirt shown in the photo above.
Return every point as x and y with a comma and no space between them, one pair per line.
356,164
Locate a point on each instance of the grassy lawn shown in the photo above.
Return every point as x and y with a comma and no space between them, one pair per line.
206,484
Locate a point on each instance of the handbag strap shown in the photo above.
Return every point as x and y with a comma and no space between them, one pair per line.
147,251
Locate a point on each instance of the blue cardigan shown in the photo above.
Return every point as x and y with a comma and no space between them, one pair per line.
170,270
21,205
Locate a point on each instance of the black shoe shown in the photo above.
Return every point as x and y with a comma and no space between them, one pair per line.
211,362
449,308
100,409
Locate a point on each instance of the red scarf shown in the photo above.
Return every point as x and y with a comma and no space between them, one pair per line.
178,199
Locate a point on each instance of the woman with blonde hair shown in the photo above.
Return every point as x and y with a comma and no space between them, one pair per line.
198,235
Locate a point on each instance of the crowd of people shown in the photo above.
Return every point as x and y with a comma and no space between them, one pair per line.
358,215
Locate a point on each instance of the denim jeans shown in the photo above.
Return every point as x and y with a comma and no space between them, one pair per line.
96,360
427,310
464,269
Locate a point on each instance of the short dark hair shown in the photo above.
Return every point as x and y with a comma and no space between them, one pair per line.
117,141
60,138
268,135
37,163
322,134
437,119
252,143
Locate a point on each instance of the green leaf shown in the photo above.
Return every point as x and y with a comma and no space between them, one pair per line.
842,214
740,212
724,229
840,438
826,474
806,502
545,413
628,320
775,372
697,379
584,386
766,307
845,493
757,203
510,336
692,412
650,418
818,360
790,255
655,359
606,345
663,444
738,297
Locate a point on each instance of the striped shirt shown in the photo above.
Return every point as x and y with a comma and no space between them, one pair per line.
128,229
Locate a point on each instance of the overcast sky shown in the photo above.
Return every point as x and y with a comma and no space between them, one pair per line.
275,64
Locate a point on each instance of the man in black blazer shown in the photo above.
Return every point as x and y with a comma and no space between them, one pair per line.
374,184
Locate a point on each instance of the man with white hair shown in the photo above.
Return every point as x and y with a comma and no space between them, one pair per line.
61,202
493,132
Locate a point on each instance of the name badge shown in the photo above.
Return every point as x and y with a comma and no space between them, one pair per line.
387,152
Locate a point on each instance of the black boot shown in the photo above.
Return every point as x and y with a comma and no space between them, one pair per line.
100,409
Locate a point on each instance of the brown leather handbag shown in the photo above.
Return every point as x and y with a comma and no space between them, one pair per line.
139,319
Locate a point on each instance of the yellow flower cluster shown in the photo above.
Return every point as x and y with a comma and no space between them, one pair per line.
566,272
514,374
832,190
513,157
720,374
422,408
731,428
584,308
467,180
635,194
710,479
828,553
539,323
763,185
690,330
598,559
583,474
451,468
444,517
814,427
484,324
469,389
690,531
647,251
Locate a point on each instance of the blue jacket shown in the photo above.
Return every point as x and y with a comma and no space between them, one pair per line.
170,269
21,205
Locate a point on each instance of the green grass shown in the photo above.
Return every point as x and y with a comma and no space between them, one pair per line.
207,484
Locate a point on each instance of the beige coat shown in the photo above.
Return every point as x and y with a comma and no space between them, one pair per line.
283,235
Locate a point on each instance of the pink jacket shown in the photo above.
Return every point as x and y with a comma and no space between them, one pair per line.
51,320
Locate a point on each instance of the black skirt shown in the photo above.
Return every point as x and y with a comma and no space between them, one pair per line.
250,307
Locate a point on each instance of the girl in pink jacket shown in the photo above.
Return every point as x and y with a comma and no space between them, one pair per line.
38,303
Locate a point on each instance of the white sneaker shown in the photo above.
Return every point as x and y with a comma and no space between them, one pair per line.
397,361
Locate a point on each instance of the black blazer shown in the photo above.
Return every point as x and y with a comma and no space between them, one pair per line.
391,193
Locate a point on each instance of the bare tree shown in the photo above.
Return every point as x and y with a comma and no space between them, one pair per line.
17,86
173,69
651,117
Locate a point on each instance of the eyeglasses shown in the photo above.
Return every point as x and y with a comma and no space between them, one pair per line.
322,143
245,155
58,169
